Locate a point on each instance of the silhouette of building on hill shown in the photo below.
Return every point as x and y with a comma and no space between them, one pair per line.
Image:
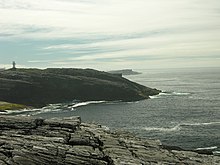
13,65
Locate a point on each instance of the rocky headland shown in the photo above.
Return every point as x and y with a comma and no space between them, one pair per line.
124,72
36,87
68,141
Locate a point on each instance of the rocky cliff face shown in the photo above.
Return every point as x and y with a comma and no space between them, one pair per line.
36,87
28,141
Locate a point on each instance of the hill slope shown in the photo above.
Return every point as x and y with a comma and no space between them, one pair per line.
37,87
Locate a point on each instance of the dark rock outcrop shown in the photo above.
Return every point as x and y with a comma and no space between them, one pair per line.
67,141
35,87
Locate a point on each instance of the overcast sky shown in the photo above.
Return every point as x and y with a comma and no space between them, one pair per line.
110,34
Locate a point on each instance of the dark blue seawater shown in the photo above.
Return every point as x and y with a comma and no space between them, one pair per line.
185,114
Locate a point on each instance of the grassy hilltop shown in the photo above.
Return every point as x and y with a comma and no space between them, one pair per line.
36,87
10,106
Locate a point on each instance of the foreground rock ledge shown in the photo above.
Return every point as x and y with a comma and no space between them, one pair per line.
67,141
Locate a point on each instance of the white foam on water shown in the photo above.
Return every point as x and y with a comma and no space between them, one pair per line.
53,106
174,93
50,108
207,148
200,124
132,102
177,127
180,93
154,97
86,103
158,96
163,129
19,111
166,93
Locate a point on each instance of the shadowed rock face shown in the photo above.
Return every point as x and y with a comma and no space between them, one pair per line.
67,141
36,87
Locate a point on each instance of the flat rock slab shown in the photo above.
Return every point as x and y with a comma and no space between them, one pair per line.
67,141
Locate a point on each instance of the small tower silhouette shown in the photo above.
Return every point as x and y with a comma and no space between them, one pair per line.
13,65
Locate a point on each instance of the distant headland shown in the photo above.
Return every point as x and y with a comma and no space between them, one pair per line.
124,72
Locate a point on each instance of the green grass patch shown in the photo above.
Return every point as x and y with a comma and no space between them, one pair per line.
11,106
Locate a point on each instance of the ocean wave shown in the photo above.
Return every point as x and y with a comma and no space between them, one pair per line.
50,108
41,111
181,93
53,106
86,103
174,93
199,124
10,112
207,148
132,102
154,97
158,96
178,127
163,129
166,93
35,111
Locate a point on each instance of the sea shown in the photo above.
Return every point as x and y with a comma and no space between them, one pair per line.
185,114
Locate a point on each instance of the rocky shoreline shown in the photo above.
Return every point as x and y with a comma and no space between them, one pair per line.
68,141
